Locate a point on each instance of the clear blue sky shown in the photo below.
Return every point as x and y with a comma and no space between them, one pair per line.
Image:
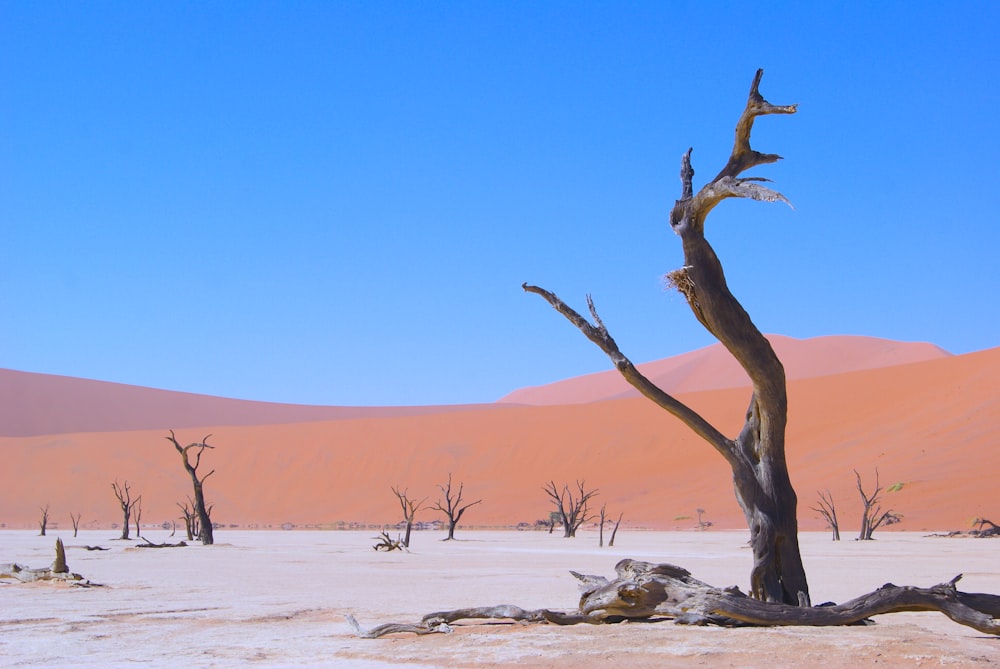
337,202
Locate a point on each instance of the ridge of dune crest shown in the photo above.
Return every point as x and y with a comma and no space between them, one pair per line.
35,404
713,368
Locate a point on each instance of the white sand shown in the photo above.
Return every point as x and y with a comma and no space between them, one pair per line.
279,599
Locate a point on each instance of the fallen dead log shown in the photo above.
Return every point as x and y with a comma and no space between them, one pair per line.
59,571
150,544
387,543
648,592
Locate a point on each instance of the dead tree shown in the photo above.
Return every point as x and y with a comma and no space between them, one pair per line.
614,531
872,516
124,494
757,454
201,511
702,524
75,518
190,519
573,510
779,591
137,516
452,507
410,508
43,522
826,509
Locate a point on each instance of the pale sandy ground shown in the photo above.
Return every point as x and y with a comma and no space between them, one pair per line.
279,599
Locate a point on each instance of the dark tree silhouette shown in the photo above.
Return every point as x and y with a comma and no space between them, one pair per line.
201,511
452,508
124,494
826,509
872,515
573,509
190,518
757,455
43,522
410,508
75,518
614,531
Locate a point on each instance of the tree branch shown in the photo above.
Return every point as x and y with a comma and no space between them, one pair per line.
599,335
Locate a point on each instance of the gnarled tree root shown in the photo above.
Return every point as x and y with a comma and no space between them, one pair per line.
645,592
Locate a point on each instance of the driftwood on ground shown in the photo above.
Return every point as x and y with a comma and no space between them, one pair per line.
58,571
150,544
387,543
653,592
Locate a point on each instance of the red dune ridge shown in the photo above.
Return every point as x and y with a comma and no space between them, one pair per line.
925,419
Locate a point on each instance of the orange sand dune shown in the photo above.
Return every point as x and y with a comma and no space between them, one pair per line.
932,426
32,404
713,367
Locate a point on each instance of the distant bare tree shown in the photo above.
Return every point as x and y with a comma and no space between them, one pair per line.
826,509
137,515
872,516
76,522
573,509
614,531
190,519
124,494
410,508
452,507
702,524
43,522
205,534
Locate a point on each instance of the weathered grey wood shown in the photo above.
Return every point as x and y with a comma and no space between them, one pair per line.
650,592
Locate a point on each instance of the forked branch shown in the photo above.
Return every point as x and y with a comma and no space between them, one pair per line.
599,335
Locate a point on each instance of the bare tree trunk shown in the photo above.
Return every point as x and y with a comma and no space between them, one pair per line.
452,508
137,515
614,532
600,540
872,516
757,455
826,509
43,522
410,508
76,522
573,510
124,494
205,533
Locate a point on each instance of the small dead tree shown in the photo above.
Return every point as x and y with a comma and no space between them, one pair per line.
43,522
872,516
124,494
190,519
191,464
825,508
75,518
410,508
452,507
702,524
572,508
137,516
614,530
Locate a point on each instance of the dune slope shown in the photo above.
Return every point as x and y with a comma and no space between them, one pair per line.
931,426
